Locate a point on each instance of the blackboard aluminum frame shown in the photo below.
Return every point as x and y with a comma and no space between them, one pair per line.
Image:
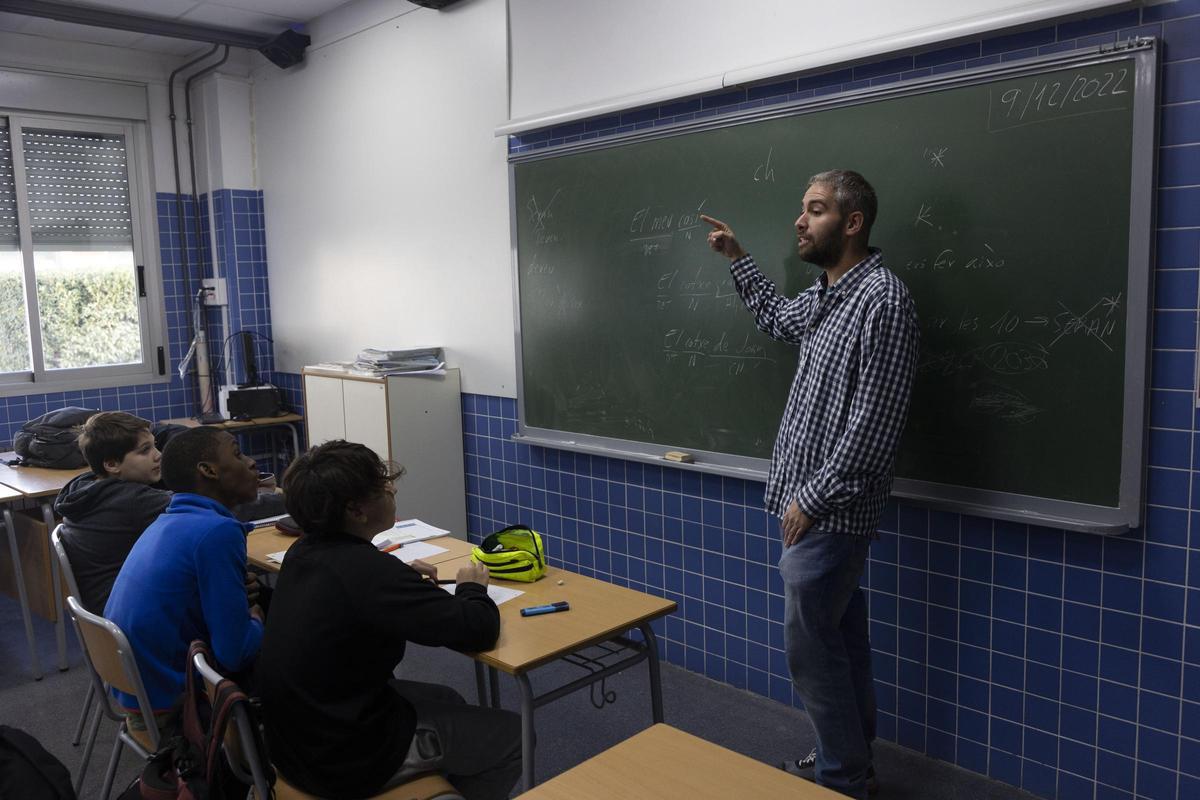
1043,511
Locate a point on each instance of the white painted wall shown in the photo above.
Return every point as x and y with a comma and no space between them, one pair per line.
223,130
385,191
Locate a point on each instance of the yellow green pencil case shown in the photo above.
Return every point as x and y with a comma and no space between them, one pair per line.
512,554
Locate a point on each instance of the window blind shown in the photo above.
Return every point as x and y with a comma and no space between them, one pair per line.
78,188
9,237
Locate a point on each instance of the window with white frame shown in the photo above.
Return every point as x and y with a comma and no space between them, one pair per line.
79,306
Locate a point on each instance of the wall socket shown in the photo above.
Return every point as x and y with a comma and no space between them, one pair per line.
215,292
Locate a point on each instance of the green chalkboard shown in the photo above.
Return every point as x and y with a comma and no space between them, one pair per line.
1011,204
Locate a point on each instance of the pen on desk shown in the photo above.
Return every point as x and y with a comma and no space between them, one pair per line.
443,581
391,547
531,611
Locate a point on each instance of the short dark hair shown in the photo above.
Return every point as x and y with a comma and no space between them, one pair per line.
184,452
851,192
323,482
109,435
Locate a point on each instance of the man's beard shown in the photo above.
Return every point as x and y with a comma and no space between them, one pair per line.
823,254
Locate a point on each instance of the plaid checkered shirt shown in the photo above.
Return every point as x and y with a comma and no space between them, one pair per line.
836,448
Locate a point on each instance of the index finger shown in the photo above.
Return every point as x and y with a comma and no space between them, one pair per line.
716,223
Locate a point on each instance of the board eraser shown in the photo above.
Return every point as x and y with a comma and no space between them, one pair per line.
682,458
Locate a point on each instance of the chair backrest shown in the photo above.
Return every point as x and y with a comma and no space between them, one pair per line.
249,763
240,745
111,661
71,589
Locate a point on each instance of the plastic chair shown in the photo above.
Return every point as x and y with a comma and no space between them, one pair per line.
112,664
72,590
247,762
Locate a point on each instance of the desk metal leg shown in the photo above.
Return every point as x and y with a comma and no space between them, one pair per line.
494,686
295,440
60,627
19,579
656,703
480,684
527,736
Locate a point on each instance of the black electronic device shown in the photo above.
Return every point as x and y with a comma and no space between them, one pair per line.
286,49
249,360
248,402
434,4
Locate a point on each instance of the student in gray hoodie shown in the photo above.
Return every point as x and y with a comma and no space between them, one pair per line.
105,511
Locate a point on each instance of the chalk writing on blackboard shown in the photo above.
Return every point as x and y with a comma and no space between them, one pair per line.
766,170
538,214
1043,100
1003,402
699,348
948,260
936,156
539,267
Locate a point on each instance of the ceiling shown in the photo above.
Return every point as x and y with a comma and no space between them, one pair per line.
267,17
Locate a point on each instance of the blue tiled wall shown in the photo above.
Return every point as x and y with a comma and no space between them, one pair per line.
1064,663
242,252
241,255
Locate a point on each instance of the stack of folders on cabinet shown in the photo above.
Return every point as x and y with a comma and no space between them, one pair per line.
374,362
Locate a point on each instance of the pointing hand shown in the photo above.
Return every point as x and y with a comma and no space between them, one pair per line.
722,240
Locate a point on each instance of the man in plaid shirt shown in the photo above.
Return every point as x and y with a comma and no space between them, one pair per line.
831,472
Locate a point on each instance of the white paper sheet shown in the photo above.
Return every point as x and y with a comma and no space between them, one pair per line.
411,552
413,530
408,553
499,594
406,531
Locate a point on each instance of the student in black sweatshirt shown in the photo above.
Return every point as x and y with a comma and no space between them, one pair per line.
338,724
105,511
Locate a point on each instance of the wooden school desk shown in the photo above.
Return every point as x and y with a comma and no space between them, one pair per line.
601,614
268,539
16,558
35,559
663,763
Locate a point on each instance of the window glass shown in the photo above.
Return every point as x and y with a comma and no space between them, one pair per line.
82,230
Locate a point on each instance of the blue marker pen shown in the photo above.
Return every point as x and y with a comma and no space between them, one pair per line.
532,611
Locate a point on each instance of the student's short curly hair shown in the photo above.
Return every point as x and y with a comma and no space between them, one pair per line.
185,451
109,435
323,482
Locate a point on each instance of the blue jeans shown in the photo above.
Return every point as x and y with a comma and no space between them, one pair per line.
829,653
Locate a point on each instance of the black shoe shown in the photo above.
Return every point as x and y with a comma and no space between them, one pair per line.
802,768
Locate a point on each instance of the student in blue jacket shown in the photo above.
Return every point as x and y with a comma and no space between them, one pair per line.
184,579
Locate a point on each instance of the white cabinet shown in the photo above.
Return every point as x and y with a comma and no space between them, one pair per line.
413,421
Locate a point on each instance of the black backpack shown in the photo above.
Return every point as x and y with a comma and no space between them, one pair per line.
28,772
52,440
190,765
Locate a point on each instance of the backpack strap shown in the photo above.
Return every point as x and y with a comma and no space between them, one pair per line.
227,695
205,721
